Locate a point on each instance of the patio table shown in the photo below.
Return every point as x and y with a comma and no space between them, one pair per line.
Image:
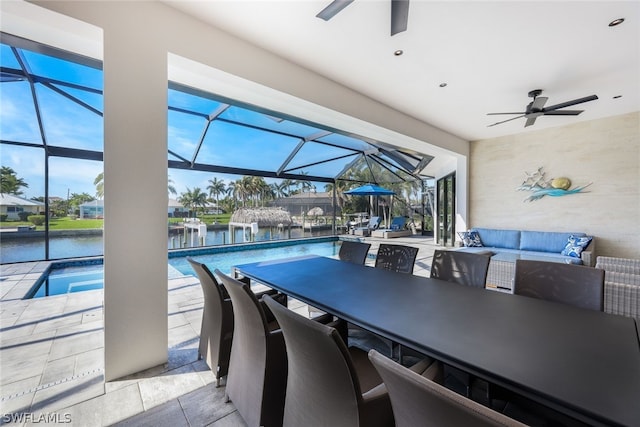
582,363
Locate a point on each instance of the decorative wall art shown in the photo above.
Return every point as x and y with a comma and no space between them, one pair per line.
540,186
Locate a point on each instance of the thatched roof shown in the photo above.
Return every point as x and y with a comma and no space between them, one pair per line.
265,217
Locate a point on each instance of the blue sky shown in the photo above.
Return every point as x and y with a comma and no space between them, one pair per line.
68,124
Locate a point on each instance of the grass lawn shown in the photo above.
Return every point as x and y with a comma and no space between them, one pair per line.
67,223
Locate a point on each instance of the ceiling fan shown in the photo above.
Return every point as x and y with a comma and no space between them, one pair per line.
536,108
399,13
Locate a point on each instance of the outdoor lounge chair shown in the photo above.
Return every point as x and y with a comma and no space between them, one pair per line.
397,228
374,223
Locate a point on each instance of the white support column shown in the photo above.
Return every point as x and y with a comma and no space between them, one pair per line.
135,188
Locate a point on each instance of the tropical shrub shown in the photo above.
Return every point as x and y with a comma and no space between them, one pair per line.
36,219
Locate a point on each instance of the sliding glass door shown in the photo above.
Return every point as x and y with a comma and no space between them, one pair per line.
446,188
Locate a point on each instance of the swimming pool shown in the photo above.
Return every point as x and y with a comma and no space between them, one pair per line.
65,277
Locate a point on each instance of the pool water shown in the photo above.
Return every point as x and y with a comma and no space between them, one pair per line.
225,261
71,279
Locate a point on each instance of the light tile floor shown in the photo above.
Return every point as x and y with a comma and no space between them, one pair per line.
52,358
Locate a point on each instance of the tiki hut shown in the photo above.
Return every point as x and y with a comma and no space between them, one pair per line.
265,217
252,218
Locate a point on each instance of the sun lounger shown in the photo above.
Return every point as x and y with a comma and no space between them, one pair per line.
374,223
396,229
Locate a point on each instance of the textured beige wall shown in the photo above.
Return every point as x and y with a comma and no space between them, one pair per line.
605,152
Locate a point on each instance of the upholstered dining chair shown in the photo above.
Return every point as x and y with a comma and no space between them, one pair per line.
216,331
398,258
417,400
354,252
464,268
328,384
576,285
258,367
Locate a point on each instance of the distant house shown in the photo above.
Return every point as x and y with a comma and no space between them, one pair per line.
176,209
92,210
301,203
12,206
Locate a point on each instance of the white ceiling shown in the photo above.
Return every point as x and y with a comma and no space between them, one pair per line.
490,54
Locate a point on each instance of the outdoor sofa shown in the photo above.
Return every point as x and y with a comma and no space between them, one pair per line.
506,246
572,248
621,285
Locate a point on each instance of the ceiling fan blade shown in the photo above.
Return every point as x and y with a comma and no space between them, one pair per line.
399,16
505,121
530,121
570,103
562,112
334,7
497,114
539,102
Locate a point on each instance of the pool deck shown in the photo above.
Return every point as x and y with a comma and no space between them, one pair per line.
52,357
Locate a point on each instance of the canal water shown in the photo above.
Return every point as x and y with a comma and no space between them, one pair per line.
32,248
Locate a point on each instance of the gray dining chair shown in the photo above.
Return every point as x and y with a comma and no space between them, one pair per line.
328,384
418,400
398,258
258,367
571,284
354,252
463,268
216,330
576,285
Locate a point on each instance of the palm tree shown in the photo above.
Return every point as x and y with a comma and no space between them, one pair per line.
170,188
340,186
280,189
10,183
99,183
193,199
216,187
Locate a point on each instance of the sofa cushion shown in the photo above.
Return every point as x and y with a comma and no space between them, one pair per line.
549,256
575,245
471,239
509,239
545,241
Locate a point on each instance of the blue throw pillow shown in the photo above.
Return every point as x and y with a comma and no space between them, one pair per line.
575,246
471,239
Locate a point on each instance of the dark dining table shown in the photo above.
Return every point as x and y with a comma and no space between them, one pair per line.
583,363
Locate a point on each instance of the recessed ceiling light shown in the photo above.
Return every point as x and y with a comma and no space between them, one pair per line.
443,85
398,52
617,96
616,22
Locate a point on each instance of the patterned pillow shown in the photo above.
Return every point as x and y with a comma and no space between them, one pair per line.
575,246
471,239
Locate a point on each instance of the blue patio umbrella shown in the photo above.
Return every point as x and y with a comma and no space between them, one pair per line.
371,190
